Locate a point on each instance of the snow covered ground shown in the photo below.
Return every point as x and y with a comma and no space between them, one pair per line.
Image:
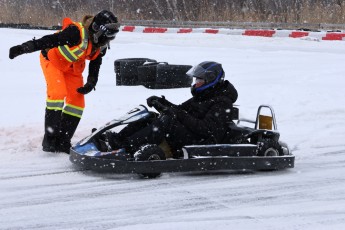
302,79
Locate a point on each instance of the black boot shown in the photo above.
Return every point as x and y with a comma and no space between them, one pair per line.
49,143
126,138
52,120
113,140
68,127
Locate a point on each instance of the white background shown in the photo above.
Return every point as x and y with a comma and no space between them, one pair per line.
302,79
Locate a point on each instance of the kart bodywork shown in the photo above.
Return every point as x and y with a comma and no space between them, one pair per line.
243,148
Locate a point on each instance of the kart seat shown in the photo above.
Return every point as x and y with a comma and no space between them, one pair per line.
234,133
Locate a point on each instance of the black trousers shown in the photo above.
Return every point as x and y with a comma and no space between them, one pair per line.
155,130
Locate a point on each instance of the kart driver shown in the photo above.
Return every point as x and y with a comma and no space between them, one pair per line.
200,120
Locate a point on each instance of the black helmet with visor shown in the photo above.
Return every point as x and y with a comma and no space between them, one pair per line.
210,72
104,27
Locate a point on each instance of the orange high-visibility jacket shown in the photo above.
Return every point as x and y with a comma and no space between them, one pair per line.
63,57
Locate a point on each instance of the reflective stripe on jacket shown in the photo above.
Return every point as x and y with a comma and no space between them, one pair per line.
75,53
63,57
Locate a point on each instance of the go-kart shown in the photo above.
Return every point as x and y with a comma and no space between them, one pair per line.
243,148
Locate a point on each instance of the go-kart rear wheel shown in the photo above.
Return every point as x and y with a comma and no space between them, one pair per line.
269,147
150,153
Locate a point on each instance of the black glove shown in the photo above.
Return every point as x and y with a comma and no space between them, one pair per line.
158,106
86,88
90,84
150,101
24,48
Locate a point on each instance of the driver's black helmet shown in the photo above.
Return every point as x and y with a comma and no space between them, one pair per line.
104,27
210,72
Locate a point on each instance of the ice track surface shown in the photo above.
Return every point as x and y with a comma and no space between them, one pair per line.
301,78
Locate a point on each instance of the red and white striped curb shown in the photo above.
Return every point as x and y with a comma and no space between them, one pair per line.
262,33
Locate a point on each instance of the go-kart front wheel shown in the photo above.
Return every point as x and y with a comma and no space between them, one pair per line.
149,153
269,147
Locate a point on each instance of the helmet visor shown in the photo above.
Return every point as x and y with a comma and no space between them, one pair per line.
107,31
112,29
200,72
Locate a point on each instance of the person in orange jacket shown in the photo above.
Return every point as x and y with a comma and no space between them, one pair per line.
62,60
